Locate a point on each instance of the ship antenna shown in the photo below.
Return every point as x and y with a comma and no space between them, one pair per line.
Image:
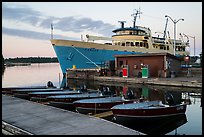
135,16
51,31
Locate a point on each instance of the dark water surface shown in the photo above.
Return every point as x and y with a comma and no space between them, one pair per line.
188,124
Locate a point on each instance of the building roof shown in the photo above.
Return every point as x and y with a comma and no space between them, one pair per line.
129,28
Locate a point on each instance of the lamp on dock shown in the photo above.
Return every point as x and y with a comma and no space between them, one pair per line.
174,21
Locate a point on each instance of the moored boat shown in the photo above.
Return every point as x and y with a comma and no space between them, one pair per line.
148,109
66,101
98,105
125,40
8,90
11,90
36,96
26,91
23,93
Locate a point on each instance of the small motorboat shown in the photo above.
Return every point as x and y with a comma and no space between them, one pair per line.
98,105
8,90
147,109
42,96
66,101
24,93
11,90
36,90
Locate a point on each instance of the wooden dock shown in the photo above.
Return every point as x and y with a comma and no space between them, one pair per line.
176,82
30,118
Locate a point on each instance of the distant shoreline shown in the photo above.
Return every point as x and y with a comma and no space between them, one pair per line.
28,60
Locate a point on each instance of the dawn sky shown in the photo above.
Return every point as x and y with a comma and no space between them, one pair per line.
26,25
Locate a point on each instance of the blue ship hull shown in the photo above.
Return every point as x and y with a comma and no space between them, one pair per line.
84,58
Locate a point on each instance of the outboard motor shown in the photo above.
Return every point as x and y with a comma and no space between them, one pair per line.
170,99
130,94
50,84
104,90
83,88
107,91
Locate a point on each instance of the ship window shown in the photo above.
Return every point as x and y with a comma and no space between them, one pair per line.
144,44
176,48
179,48
147,46
137,44
164,47
141,44
127,43
132,44
183,48
130,33
118,43
167,47
123,44
161,47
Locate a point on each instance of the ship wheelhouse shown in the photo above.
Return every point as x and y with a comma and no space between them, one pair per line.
134,37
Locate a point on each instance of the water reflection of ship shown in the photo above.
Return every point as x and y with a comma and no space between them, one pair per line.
160,126
147,93
76,83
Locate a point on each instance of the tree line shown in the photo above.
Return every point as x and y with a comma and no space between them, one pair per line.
32,60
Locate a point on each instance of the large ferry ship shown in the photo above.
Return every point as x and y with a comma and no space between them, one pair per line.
125,40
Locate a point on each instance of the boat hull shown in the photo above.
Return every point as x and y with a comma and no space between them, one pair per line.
85,57
26,91
97,106
22,96
9,90
43,95
148,113
66,101
62,105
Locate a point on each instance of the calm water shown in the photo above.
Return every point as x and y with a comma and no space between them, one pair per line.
188,124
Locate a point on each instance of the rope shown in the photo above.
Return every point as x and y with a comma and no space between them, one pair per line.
86,57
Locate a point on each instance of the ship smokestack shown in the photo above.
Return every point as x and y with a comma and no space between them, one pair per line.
122,23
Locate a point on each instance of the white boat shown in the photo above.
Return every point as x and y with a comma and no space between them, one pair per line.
125,40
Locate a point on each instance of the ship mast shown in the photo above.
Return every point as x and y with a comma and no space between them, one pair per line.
135,16
165,29
51,31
